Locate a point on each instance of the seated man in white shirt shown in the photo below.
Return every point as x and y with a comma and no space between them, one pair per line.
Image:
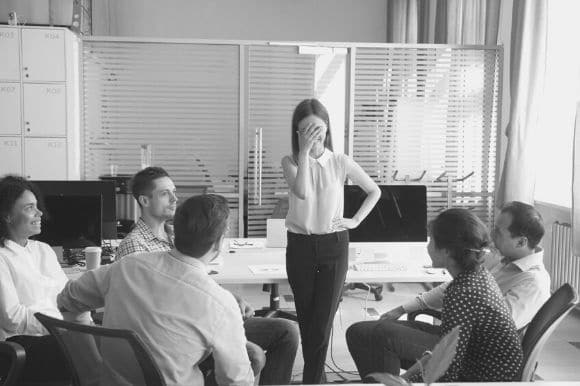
168,299
520,275
155,192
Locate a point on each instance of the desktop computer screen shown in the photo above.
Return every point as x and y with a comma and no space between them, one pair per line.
399,216
71,221
77,214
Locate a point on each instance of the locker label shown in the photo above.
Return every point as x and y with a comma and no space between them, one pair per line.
53,90
55,145
11,143
7,89
52,35
7,35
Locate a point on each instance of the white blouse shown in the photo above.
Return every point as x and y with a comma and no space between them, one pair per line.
30,280
315,213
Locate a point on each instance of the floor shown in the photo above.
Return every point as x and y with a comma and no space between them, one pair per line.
559,362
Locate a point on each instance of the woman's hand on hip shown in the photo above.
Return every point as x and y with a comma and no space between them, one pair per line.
342,224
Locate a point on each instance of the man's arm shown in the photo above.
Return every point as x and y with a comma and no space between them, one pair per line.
87,292
232,365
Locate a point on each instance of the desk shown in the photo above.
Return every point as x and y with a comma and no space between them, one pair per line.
235,268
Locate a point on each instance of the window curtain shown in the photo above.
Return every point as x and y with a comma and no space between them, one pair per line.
576,185
443,21
527,70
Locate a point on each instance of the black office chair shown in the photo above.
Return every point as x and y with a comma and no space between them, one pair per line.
537,333
543,325
13,354
103,356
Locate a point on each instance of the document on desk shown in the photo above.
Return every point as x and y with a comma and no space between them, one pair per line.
245,244
267,269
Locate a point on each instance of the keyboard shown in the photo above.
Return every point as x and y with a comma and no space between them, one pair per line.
379,267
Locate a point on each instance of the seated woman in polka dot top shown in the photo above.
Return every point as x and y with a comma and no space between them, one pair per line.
489,348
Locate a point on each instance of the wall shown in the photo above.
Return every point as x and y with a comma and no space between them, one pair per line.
550,214
293,20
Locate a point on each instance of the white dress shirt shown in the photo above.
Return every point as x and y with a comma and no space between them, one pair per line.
30,280
524,283
181,314
314,214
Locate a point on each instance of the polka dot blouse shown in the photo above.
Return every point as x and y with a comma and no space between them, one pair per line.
489,348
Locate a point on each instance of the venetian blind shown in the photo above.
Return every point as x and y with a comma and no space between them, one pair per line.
180,98
429,114
278,79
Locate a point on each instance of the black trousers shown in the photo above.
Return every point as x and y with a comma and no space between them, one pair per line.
45,360
316,267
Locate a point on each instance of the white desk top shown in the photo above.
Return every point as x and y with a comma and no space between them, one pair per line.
235,268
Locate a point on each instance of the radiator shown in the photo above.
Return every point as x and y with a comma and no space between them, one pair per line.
564,266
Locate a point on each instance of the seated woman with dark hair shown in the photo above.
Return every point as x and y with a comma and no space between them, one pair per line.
489,348
30,279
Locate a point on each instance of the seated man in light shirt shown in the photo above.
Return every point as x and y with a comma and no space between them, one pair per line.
520,275
168,299
155,192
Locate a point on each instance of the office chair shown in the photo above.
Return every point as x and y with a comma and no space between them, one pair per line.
537,333
103,356
543,325
17,357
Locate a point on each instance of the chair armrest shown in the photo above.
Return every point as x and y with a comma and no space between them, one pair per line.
17,358
413,315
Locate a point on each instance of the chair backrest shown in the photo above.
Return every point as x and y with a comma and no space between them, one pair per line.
543,325
103,356
15,354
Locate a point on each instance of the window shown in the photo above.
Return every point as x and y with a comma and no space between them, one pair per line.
428,115
561,93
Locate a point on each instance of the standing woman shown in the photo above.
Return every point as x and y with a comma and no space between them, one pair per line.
317,251
30,280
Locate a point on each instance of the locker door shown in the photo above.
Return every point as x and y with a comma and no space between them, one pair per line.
10,155
43,55
10,108
9,47
44,110
45,158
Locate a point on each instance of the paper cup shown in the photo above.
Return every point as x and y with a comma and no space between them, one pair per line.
93,257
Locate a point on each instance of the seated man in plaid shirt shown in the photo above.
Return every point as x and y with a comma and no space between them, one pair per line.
155,193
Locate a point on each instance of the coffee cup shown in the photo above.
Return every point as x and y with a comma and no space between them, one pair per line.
93,257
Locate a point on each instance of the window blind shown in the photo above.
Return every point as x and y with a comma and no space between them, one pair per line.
429,115
180,98
278,79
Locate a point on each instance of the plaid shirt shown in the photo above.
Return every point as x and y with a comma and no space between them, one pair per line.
141,240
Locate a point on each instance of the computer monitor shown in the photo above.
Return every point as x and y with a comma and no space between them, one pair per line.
399,216
77,213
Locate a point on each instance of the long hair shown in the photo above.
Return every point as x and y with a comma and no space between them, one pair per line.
304,109
463,234
11,188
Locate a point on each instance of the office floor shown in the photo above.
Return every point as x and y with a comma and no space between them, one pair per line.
560,360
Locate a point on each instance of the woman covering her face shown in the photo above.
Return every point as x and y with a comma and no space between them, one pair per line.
317,251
